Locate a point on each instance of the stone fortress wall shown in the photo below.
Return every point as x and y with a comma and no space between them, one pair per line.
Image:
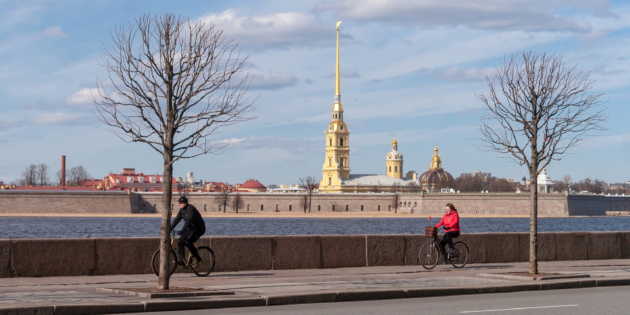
102,256
34,202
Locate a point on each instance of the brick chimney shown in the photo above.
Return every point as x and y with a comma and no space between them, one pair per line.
63,170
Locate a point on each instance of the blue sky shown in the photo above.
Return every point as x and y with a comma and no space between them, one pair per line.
410,69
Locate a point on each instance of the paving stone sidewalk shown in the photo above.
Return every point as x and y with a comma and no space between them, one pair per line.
250,286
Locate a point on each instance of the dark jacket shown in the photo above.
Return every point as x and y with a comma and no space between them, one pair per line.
192,220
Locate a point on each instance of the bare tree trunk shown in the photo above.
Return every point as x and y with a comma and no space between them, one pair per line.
533,219
165,236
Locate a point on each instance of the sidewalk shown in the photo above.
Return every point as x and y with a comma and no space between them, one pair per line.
79,295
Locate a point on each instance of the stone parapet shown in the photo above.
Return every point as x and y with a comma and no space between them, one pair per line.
107,256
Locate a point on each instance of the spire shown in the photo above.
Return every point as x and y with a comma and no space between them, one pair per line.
436,161
395,144
337,81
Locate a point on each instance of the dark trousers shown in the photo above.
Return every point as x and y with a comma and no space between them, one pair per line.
447,238
187,239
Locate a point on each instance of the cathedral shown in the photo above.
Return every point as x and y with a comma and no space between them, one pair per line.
336,168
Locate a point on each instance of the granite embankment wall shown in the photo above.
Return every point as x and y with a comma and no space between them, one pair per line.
107,256
33,202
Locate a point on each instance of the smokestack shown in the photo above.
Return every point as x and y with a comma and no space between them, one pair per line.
63,170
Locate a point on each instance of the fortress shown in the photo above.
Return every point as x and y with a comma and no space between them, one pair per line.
336,176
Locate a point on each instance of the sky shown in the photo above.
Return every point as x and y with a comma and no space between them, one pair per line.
409,69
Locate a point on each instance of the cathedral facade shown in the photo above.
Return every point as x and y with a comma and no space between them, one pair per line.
336,176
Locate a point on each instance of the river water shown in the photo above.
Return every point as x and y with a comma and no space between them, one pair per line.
45,227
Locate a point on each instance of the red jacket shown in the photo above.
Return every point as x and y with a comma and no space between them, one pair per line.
450,220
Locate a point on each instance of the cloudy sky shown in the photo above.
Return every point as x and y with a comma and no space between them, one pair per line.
410,69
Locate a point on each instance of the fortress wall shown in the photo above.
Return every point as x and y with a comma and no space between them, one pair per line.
67,202
33,202
101,256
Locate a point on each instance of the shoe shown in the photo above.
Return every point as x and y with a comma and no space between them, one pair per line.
195,261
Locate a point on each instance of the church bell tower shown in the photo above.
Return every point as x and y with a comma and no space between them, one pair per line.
337,163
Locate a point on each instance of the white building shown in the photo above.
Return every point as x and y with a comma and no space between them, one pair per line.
545,185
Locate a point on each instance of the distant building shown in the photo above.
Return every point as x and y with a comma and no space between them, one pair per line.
544,183
128,179
436,177
252,185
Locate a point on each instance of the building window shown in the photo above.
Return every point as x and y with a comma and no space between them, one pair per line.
261,208
329,181
247,207
333,207
290,207
205,208
319,208
341,127
389,208
346,207
341,142
277,208
379,207
390,169
361,207
219,207
330,142
395,168
329,161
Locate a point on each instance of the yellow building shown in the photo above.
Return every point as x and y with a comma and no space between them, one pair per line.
336,169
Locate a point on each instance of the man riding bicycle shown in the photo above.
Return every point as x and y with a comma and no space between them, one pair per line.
193,229
450,221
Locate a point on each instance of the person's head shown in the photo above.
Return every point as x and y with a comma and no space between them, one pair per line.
183,201
450,208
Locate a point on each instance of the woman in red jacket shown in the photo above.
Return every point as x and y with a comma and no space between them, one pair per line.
450,221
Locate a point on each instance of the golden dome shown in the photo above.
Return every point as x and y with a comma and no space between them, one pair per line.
394,142
436,161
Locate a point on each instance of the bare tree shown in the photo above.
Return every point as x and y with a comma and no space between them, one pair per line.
175,83
538,107
224,198
76,175
413,187
58,177
375,189
397,186
29,176
304,202
567,180
43,174
237,202
396,201
309,183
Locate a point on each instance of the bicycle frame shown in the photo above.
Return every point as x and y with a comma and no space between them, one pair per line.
177,254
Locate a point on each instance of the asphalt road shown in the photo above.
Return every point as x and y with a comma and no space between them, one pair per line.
609,301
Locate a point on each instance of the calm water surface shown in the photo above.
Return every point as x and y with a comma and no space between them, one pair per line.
11,227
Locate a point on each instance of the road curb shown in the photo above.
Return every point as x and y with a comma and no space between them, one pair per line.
304,298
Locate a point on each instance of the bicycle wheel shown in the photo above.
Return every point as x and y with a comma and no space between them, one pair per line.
155,262
459,255
206,265
429,255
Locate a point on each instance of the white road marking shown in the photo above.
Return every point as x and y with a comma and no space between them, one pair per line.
518,308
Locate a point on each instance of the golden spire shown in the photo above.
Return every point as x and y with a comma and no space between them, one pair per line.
436,161
337,82
395,144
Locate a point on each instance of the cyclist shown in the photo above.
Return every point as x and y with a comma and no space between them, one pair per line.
193,229
450,221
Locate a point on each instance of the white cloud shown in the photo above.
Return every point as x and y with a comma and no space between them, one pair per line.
293,145
56,119
54,31
456,74
271,81
82,97
273,31
489,14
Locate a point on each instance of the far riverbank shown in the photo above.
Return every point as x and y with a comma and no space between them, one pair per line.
315,215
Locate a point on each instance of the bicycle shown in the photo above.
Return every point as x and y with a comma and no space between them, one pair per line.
200,268
431,251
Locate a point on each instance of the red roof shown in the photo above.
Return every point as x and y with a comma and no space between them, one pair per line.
252,184
75,188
